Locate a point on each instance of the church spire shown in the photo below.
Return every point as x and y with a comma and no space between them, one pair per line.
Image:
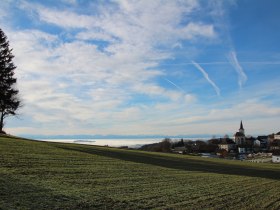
241,129
241,125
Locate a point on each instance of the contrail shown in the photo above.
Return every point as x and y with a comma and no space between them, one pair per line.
206,76
174,84
222,18
226,62
242,77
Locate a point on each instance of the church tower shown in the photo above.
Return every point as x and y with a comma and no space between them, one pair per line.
239,137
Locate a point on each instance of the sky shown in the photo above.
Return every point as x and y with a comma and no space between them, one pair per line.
161,67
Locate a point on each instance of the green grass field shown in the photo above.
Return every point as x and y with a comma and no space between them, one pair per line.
41,175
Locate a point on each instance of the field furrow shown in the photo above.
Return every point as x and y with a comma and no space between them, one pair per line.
40,175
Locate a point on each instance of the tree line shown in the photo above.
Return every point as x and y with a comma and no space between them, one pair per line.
188,146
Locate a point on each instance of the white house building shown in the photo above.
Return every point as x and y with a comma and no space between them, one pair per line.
227,144
277,136
276,158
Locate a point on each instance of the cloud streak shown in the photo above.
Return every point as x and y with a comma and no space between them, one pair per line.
242,77
206,76
225,63
172,83
99,62
221,15
116,67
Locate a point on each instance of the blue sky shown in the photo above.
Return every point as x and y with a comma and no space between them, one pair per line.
145,67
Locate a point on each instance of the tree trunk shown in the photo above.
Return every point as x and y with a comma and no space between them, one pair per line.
2,123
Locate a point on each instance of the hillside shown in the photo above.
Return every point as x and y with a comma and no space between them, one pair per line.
43,175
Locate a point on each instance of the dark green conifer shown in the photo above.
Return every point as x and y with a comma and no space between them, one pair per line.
9,100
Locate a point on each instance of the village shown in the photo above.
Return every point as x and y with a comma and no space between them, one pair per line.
240,147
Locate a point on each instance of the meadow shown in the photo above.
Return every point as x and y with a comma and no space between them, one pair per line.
44,175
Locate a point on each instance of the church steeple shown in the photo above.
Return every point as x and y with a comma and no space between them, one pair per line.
241,125
241,129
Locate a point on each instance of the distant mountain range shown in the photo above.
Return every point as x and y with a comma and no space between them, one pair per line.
114,136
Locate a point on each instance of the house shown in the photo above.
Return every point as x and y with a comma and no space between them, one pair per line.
262,142
270,139
227,144
276,158
249,141
263,138
180,150
275,145
257,143
277,136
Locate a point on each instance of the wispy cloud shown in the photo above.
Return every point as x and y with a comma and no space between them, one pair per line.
88,67
226,63
206,76
100,61
242,77
221,15
172,83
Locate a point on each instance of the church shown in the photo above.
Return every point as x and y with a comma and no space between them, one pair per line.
243,144
239,137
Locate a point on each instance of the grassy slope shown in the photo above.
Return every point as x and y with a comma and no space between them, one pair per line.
40,175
